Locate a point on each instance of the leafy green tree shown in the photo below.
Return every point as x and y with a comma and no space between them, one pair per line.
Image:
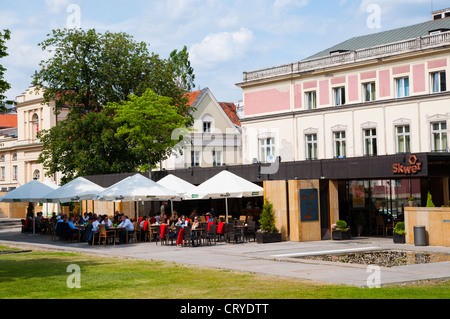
4,85
90,69
147,122
87,145
87,71
183,72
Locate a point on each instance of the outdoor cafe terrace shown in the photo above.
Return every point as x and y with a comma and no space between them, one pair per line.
169,228
196,232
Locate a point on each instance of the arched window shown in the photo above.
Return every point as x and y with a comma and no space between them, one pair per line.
36,174
14,157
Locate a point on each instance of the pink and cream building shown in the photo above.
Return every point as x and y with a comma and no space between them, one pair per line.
353,120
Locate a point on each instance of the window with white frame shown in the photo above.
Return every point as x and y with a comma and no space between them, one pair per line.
207,123
439,136
402,87
14,157
310,100
266,149
217,158
369,92
370,142
311,146
195,158
15,171
438,82
339,96
403,139
339,144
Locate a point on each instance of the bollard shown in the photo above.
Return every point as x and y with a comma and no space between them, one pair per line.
420,238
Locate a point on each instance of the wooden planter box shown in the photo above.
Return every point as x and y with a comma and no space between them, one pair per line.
340,235
399,239
262,238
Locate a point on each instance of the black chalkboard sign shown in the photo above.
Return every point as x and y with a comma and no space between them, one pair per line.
309,205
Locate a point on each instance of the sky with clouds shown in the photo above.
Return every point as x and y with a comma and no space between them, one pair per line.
225,37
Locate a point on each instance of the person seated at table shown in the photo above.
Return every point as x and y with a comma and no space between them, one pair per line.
196,223
142,224
80,221
165,219
213,212
71,224
172,220
128,225
158,217
209,218
85,217
62,219
193,214
95,223
107,222
182,222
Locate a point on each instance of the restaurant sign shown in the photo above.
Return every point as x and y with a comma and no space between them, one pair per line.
309,205
414,167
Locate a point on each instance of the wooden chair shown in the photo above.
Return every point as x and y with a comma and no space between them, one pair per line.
380,224
52,231
137,231
105,235
132,235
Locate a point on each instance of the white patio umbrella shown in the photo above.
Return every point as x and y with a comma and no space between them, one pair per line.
137,188
33,191
76,190
177,184
225,185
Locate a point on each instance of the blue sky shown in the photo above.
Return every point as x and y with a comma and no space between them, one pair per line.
225,37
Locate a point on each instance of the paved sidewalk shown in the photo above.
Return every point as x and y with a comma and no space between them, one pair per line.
269,259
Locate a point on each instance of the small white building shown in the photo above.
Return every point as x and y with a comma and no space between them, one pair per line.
215,139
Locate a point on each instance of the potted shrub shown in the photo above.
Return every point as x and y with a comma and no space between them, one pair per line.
399,233
340,230
267,233
410,200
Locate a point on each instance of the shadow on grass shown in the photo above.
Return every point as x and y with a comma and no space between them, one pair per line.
30,266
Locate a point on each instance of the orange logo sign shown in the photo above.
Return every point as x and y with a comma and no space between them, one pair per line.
414,168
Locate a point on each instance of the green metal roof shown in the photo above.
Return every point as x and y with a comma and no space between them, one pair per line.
380,38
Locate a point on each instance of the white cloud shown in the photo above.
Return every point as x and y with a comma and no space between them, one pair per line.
56,6
221,47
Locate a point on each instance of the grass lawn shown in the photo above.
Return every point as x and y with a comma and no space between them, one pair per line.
43,275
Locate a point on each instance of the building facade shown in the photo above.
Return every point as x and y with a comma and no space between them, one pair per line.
20,147
215,137
380,99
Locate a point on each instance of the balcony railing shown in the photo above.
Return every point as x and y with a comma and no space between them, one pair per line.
377,52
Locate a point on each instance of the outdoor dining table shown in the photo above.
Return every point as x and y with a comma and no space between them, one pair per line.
81,228
197,236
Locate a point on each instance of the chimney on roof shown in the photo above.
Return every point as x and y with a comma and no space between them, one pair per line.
441,14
